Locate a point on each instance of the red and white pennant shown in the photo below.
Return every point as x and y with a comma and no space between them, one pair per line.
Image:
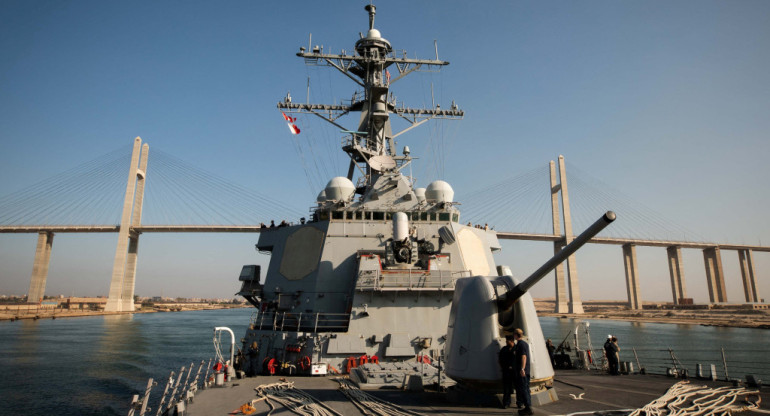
290,121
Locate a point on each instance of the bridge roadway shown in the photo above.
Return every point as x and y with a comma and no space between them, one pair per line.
711,254
503,235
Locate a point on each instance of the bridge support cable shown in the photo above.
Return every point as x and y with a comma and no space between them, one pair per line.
517,203
87,194
591,194
181,193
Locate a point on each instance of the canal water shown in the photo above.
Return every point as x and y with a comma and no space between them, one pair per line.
92,366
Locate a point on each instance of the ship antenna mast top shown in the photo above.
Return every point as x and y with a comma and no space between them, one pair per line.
372,11
371,145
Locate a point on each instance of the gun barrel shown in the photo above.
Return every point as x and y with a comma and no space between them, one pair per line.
514,294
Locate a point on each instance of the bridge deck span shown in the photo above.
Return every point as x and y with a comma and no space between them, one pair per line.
256,228
623,241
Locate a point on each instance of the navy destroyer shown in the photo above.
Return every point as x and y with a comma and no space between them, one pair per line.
366,286
370,276
385,285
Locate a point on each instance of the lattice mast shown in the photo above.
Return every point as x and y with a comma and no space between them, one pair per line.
371,145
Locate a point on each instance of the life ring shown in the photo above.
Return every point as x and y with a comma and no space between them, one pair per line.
304,363
269,365
590,357
423,359
351,364
374,359
363,359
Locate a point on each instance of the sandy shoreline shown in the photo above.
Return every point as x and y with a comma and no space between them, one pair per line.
735,316
719,315
50,313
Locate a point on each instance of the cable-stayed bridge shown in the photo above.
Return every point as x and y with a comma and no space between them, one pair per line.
183,198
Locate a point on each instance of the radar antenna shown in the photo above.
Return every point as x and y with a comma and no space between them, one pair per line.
371,144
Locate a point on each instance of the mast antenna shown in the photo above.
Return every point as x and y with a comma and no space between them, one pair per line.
372,11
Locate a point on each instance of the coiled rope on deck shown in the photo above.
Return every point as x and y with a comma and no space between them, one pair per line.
685,399
293,399
371,405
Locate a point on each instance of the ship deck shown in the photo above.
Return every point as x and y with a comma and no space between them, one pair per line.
579,392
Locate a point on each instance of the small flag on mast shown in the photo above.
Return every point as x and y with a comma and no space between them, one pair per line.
290,122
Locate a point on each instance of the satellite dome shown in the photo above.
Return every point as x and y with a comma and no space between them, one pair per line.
321,196
420,194
373,34
339,188
439,191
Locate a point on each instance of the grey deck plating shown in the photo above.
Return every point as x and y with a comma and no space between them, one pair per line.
601,394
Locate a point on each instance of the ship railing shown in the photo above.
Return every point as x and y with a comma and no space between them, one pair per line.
727,364
409,279
300,321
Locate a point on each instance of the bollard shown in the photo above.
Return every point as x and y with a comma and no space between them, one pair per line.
699,370
630,367
713,372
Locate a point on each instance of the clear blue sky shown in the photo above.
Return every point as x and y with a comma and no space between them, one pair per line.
668,101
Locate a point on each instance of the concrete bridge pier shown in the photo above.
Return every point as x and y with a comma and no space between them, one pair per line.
121,297
714,275
575,304
632,276
746,258
40,267
678,288
561,286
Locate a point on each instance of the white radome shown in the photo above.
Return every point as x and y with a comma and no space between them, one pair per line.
420,194
439,191
339,188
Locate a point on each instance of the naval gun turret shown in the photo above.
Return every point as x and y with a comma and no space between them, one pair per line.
484,309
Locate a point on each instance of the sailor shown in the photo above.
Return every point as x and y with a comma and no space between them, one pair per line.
551,349
521,378
272,223
609,352
616,357
505,358
252,367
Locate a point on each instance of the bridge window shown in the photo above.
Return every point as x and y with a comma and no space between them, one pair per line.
323,215
456,217
388,216
358,215
378,216
443,216
423,216
433,216
415,216
338,215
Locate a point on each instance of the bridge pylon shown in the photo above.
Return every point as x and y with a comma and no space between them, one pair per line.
40,267
574,304
121,297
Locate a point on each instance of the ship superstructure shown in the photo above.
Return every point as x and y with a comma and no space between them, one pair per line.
371,275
